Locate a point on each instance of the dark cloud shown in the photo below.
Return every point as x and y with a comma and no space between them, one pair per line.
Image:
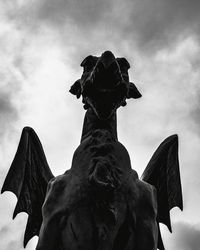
85,13
194,115
151,24
8,112
12,75
158,23
3,231
185,237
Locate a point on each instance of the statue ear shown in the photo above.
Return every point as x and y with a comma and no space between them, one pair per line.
133,92
89,60
76,89
123,63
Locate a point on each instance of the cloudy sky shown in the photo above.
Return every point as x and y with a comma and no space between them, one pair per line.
42,43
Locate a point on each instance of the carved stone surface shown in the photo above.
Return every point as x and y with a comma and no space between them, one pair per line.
100,203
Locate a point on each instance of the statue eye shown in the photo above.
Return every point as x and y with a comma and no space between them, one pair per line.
123,63
88,63
88,67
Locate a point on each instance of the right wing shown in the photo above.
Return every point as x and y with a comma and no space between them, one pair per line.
163,173
27,178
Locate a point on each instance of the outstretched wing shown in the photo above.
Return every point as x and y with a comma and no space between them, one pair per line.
27,178
163,173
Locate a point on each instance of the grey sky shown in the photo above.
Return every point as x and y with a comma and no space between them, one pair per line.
151,24
42,44
185,237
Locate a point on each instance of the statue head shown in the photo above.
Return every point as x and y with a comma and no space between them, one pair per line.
104,84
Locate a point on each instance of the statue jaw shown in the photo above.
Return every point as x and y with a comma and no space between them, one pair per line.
103,87
103,102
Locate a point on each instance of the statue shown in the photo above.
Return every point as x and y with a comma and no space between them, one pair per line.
100,203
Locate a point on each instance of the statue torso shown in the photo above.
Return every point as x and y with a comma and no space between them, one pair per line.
95,196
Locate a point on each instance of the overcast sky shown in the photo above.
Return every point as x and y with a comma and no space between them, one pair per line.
42,43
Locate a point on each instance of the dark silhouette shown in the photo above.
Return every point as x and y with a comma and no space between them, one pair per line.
100,203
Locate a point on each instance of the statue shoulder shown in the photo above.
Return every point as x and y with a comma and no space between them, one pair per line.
56,184
147,205
55,194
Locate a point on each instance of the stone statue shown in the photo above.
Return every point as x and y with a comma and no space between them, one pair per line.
100,203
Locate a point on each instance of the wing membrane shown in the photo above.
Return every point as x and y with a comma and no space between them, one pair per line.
163,173
27,178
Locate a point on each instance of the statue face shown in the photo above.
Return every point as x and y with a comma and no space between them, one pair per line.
104,84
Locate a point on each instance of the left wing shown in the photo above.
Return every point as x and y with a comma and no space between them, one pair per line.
27,178
163,173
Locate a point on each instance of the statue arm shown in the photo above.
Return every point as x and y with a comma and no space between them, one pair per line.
50,232
147,232
48,238
147,227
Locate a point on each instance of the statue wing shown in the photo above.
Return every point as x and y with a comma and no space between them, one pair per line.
27,178
163,173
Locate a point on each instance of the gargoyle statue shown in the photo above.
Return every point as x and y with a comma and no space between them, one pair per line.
100,203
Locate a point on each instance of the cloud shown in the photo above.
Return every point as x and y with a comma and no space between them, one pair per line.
159,23
83,13
3,231
10,75
12,233
195,112
151,24
8,112
185,237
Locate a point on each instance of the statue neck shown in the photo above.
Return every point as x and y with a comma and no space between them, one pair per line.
92,123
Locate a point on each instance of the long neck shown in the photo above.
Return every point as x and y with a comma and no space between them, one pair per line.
92,122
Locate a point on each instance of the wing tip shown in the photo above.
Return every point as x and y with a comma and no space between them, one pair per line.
180,207
25,242
28,237
172,138
4,189
27,129
20,210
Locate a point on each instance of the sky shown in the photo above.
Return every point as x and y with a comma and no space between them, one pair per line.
42,44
